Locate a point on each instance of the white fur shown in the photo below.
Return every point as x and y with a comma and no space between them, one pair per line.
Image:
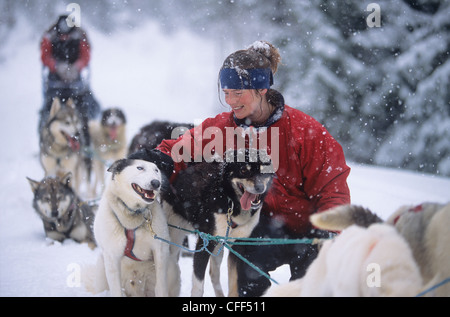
344,266
125,276
427,232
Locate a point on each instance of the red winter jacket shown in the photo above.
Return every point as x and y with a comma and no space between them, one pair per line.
72,47
311,173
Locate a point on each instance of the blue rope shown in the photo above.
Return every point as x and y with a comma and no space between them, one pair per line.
447,280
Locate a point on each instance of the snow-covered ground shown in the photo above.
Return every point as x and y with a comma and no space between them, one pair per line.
150,75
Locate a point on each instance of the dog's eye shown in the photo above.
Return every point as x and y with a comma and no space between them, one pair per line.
156,170
140,168
245,170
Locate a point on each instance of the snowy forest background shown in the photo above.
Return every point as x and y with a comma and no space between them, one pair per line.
383,92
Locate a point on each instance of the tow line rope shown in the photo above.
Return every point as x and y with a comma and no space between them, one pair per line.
447,280
227,242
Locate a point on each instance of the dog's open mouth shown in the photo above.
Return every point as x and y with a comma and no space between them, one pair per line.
112,132
249,200
147,195
73,141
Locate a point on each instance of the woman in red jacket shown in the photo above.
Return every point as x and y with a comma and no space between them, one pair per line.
311,171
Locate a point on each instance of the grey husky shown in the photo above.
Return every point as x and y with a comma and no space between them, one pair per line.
63,213
62,141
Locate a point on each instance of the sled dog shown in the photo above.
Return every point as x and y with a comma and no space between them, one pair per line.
152,134
219,198
130,214
63,213
373,261
108,139
425,228
62,141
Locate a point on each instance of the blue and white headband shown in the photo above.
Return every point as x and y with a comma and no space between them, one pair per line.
257,78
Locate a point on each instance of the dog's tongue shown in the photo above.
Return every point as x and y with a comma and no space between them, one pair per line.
246,200
74,144
113,133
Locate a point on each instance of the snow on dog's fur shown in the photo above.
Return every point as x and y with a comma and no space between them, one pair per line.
373,261
129,215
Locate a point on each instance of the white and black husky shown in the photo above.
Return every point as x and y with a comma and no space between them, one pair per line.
63,213
129,215
219,198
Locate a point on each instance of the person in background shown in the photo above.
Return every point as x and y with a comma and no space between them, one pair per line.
65,53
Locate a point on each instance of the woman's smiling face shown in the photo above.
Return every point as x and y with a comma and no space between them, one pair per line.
244,102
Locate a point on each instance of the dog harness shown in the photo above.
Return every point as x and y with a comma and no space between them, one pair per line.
131,236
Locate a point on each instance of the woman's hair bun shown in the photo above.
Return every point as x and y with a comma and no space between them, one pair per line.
269,51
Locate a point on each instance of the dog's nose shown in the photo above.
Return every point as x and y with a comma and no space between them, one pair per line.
155,183
54,213
259,187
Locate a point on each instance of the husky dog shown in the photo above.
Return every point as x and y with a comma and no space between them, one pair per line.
129,216
373,261
108,138
62,140
63,214
152,134
425,228
219,198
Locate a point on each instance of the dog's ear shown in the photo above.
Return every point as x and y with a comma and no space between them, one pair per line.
163,161
34,184
340,217
118,166
70,103
56,106
66,180
120,114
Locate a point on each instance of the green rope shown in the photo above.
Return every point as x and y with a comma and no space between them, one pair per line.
249,263
263,241
249,241
228,241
